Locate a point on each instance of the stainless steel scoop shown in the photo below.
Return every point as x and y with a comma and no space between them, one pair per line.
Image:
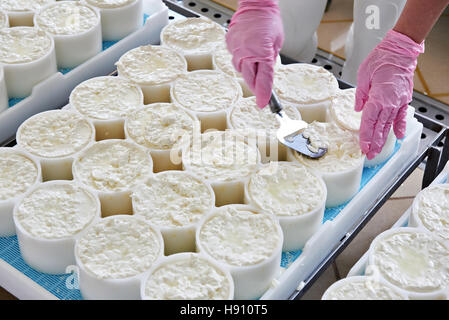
290,131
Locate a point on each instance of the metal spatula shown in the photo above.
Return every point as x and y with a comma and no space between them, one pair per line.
290,131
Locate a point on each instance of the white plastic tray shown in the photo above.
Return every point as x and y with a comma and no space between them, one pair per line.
332,231
52,93
359,267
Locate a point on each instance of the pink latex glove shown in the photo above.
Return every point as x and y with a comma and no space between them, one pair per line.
384,90
255,37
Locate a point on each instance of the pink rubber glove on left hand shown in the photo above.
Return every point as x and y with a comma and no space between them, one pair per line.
255,37
384,90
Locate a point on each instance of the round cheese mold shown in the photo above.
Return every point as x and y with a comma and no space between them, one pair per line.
362,288
306,87
21,12
342,112
247,242
112,168
48,219
222,61
28,56
292,193
209,94
4,21
119,18
163,128
106,101
412,260
341,167
174,202
113,255
153,68
430,210
75,28
187,276
55,138
196,39
4,101
225,160
18,173
249,120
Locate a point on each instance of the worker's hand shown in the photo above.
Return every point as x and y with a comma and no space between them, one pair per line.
384,90
255,37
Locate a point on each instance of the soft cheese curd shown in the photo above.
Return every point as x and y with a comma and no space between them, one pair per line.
188,277
23,45
113,165
66,18
221,156
343,151
431,209
17,174
342,110
151,65
3,20
412,260
286,189
56,210
361,288
193,35
110,3
118,247
54,134
172,199
106,98
160,126
240,237
23,5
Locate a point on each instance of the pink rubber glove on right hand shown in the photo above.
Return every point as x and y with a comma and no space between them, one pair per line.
255,37
384,90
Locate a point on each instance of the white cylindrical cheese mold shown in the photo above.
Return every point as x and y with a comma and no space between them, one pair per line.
340,167
4,21
178,197
306,87
46,253
4,103
429,210
163,129
30,175
106,279
353,288
341,186
106,101
21,13
55,138
208,37
153,68
210,107
22,77
253,279
72,48
297,228
416,264
111,168
118,19
386,152
223,159
220,285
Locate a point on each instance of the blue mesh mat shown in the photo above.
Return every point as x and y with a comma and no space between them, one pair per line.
106,45
57,284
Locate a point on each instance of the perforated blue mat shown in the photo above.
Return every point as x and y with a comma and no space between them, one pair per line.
106,45
57,284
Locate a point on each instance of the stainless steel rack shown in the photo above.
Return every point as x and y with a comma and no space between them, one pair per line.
433,151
